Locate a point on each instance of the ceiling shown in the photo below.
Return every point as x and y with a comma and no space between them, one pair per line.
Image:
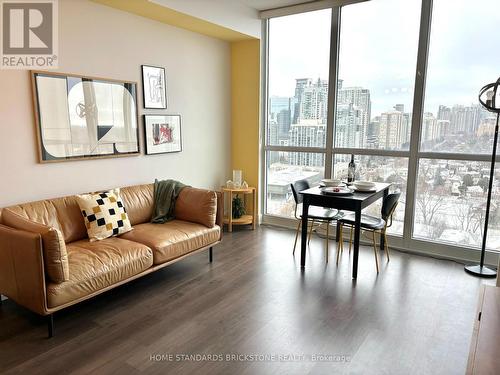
232,14
231,20
270,4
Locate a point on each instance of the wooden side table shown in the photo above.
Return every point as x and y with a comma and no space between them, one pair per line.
245,219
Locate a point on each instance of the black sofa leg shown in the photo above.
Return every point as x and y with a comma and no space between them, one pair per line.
50,325
1,300
211,254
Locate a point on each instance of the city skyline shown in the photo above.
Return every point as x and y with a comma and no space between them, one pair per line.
450,194
300,120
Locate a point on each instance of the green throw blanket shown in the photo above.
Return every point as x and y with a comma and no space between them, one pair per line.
165,195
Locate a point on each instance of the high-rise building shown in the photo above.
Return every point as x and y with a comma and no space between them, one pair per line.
280,112
348,125
486,127
464,119
300,84
359,97
430,131
406,131
312,100
306,125
373,132
444,113
283,120
394,128
353,110
308,133
277,104
391,130
399,108
272,132
442,128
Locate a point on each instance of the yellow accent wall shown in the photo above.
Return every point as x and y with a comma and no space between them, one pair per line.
172,17
245,108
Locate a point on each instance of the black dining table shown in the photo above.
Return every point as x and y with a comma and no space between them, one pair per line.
355,202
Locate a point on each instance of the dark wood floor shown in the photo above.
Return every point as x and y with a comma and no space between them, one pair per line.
415,317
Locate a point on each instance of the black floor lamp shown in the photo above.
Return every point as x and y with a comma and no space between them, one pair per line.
490,91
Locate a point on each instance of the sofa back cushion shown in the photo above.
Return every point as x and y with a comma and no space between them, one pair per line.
70,218
42,212
138,201
197,205
62,214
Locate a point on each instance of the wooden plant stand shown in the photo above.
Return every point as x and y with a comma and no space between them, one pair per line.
245,219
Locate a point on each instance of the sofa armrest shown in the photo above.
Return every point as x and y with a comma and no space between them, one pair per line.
54,247
22,275
197,205
220,212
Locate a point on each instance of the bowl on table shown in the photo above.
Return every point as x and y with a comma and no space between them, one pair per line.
331,182
364,185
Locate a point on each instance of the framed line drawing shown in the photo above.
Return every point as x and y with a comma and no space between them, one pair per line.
154,87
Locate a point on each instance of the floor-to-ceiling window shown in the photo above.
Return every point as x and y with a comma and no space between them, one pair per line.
456,137
405,75
299,53
377,60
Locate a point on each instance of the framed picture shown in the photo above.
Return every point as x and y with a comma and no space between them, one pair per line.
154,87
162,134
79,117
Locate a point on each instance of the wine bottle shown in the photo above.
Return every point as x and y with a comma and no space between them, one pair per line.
351,170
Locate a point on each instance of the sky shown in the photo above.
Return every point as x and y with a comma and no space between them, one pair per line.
378,50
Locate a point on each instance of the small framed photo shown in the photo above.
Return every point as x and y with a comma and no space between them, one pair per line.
162,134
154,87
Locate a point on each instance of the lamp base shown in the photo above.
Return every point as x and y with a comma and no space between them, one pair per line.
477,270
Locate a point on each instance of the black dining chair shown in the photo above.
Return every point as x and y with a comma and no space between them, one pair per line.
372,224
316,214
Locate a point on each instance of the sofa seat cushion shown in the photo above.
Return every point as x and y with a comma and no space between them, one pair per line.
97,265
173,239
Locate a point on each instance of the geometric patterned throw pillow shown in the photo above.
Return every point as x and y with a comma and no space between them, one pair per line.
104,214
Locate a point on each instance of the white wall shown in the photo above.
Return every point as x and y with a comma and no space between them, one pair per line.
100,41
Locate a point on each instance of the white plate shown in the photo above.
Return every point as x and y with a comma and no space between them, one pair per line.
363,190
321,184
342,191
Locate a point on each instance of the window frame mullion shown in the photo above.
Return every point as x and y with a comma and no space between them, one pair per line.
417,116
332,88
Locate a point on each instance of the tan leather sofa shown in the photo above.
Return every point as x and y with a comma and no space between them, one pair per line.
47,262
